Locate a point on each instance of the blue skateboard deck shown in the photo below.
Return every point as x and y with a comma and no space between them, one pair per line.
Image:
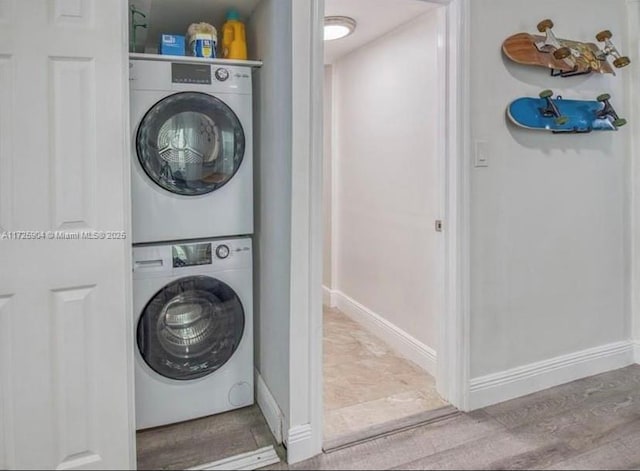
582,115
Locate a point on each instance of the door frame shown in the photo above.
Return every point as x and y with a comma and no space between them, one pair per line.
128,209
633,48
305,434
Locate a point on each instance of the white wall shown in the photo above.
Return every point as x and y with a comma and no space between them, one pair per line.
288,308
327,177
385,99
269,35
550,216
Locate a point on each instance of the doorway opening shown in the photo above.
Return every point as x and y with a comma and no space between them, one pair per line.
384,199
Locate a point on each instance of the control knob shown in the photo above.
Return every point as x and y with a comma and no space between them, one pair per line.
222,251
222,74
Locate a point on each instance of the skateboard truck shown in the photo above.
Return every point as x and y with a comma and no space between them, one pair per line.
551,110
610,49
609,112
560,52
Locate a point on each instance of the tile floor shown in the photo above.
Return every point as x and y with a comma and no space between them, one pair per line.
366,383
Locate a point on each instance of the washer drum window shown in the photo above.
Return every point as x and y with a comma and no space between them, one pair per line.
190,143
191,328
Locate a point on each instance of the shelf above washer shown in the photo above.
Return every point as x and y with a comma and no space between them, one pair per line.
197,60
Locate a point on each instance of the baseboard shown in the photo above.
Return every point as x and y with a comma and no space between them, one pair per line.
403,343
528,379
328,297
636,351
269,407
299,444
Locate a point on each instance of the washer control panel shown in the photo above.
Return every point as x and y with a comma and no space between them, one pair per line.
191,255
200,257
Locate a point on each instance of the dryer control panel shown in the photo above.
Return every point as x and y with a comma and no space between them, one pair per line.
191,73
189,76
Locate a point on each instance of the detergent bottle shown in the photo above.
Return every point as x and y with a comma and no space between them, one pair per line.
234,40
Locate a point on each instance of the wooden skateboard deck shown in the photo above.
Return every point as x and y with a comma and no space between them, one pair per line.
582,115
521,48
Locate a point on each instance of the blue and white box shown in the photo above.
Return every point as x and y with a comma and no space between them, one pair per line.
172,45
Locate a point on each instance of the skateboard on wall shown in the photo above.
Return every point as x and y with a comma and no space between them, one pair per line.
560,116
564,57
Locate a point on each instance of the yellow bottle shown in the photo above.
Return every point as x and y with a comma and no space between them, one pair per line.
234,39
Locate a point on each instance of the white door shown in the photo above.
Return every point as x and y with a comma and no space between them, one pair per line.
65,333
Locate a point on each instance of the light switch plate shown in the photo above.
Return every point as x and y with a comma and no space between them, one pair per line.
482,154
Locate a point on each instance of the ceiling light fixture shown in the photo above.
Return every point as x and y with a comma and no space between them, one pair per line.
337,27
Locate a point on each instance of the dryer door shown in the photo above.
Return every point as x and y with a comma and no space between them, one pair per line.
190,328
190,143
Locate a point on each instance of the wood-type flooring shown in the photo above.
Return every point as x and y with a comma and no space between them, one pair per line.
593,423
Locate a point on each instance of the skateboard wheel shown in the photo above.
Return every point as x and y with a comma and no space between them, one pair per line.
562,120
546,93
622,62
562,53
619,122
604,97
602,36
544,25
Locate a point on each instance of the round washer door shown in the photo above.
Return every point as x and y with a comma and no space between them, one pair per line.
190,328
190,143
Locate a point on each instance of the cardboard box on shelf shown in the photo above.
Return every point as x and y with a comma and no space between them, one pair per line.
172,45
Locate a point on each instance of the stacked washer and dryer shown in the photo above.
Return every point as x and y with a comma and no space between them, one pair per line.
192,204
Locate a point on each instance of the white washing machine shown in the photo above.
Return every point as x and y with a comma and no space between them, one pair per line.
192,158
194,330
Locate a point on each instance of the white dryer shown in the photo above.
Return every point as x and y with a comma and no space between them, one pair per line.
194,330
192,158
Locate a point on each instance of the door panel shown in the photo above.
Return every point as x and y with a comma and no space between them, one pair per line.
73,141
73,361
6,169
66,333
6,7
6,373
72,12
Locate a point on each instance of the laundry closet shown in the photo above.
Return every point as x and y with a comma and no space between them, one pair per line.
208,176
